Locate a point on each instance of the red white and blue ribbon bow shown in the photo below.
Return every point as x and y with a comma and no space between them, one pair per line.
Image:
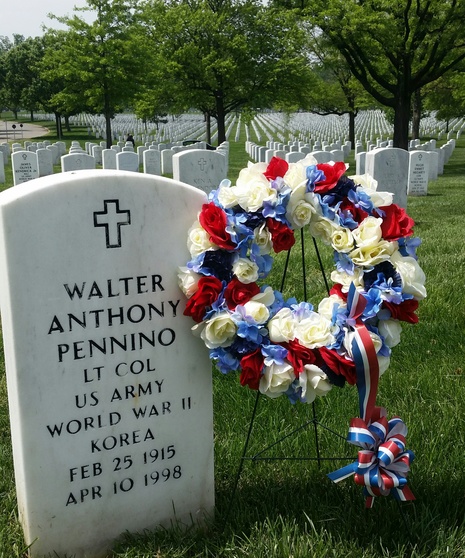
383,462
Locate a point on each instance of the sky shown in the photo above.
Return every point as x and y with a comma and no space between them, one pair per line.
26,17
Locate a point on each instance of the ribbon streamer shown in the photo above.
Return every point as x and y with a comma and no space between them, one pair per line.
383,462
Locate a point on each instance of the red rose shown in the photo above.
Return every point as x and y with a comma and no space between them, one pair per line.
332,174
358,214
339,364
213,220
405,311
396,223
298,355
251,365
337,290
282,236
209,289
239,293
276,167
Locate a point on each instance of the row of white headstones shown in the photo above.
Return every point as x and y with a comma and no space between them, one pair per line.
193,164
398,171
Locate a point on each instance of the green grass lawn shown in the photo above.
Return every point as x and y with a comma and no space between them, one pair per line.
289,508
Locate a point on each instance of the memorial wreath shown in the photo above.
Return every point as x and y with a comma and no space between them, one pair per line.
287,347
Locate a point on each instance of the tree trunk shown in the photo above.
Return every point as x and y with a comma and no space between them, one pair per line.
67,124
220,119
58,125
416,114
208,126
32,115
401,121
109,139
352,128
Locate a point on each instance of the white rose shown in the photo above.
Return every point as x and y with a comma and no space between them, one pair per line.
227,196
365,181
281,327
295,176
314,382
262,238
322,228
266,297
198,240
368,233
256,310
276,379
253,189
298,210
379,199
369,256
413,277
219,331
390,330
342,240
326,306
314,331
345,279
188,281
245,270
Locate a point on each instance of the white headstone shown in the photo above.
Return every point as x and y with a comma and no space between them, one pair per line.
25,166
418,173
128,161
389,167
322,156
77,161
109,392
109,159
45,161
200,168
152,161
2,171
167,161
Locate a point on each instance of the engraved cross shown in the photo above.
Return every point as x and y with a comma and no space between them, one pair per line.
112,219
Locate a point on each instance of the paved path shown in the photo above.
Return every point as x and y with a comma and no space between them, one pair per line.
26,132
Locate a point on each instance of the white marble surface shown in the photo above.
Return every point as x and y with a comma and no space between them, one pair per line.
25,166
200,168
110,433
418,173
389,166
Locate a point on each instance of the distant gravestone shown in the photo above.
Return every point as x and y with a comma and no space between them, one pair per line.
55,153
109,159
294,156
97,154
77,161
389,167
2,171
152,161
200,168
25,166
45,161
127,161
110,393
322,156
360,159
167,161
418,173
5,151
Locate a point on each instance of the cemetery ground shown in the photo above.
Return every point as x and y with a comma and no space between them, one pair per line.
285,508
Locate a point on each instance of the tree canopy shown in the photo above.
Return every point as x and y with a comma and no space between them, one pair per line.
394,47
219,56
